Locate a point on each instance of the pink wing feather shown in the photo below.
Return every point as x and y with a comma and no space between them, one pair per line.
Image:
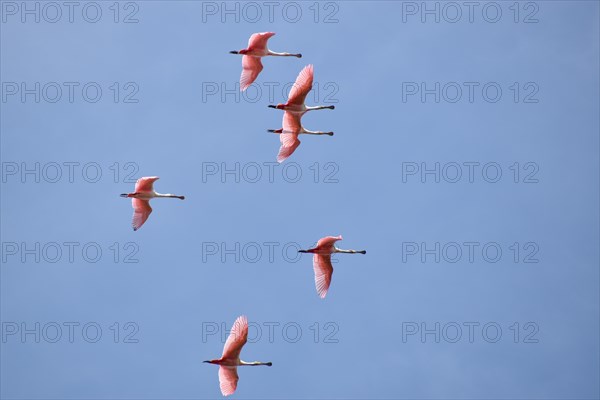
237,338
323,272
289,136
251,67
145,184
289,144
258,41
141,212
302,86
228,379
328,241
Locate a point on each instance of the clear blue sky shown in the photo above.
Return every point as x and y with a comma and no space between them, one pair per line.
368,59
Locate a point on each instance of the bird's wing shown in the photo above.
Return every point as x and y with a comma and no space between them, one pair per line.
237,338
228,379
141,212
289,144
258,41
145,184
251,67
323,271
328,240
302,86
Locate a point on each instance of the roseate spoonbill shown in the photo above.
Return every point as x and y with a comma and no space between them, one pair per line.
300,89
292,127
230,360
251,64
322,261
140,200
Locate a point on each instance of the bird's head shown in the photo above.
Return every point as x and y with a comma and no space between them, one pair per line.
210,361
278,106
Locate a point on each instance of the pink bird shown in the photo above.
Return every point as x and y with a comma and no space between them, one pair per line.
322,261
230,360
292,127
251,64
140,200
297,96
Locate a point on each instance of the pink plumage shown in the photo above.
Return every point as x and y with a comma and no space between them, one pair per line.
140,200
322,261
251,67
251,63
302,86
258,41
228,379
230,360
237,338
145,184
141,212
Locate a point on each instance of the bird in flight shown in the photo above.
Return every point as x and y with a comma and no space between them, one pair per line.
322,261
251,64
292,127
297,96
140,200
230,360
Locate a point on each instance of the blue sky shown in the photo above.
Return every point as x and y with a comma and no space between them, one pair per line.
364,64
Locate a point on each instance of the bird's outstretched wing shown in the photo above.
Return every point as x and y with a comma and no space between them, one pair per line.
323,272
328,240
289,135
302,86
237,338
141,212
258,41
289,144
251,67
228,379
145,184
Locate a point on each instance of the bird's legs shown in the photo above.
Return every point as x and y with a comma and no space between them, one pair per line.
274,53
350,251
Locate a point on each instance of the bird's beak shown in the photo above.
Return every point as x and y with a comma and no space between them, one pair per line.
302,251
233,52
206,361
123,194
